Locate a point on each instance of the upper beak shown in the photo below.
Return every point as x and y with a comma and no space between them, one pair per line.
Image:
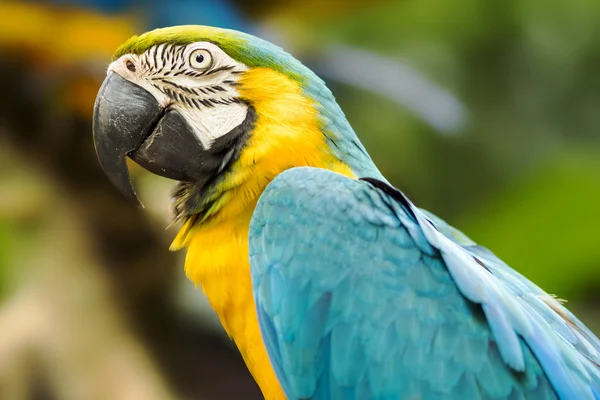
124,115
129,121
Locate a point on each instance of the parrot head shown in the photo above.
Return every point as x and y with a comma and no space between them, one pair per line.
218,111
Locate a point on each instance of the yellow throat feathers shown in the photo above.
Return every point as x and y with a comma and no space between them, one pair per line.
287,134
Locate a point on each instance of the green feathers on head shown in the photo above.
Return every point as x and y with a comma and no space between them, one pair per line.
245,48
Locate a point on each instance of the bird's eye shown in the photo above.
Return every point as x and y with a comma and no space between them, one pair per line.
200,59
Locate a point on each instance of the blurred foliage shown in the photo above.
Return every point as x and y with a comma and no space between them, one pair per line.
522,177
550,216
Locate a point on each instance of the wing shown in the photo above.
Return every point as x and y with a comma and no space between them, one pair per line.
361,295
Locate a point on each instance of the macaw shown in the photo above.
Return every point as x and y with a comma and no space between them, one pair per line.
332,284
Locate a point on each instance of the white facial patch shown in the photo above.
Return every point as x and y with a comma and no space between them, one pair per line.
213,123
205,96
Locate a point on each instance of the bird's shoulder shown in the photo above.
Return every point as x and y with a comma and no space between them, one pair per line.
360,292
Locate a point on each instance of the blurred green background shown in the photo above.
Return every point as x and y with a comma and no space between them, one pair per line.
486,113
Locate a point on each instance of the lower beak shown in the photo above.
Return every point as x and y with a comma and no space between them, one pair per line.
129,121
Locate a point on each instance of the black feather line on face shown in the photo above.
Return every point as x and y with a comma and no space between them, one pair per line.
231,83
155,59
196,198
180,59
190,95
223,68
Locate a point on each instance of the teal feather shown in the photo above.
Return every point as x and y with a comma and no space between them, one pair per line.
361,295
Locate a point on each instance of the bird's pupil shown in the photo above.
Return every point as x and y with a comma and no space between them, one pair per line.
199,58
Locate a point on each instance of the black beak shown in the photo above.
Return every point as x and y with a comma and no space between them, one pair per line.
129,121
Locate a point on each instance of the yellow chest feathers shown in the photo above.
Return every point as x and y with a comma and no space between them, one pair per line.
286,135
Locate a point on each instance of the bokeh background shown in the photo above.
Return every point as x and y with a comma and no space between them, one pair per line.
485,112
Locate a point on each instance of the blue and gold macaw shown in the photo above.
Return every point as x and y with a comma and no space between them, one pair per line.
330,281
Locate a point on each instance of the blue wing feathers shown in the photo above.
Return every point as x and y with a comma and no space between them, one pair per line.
360,295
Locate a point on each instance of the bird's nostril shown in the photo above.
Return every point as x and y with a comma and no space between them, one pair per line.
130,65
